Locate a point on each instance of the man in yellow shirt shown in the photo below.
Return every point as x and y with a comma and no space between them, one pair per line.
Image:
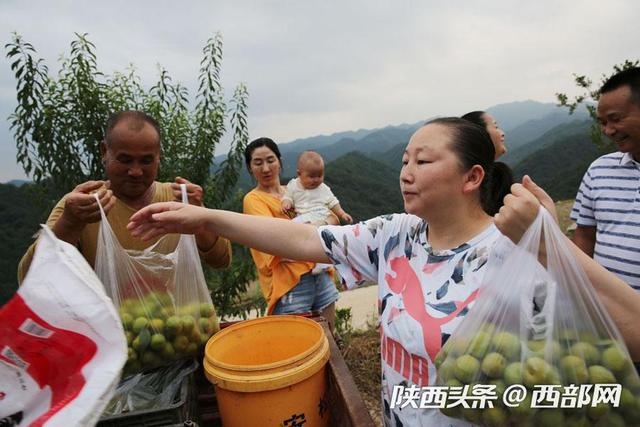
131,156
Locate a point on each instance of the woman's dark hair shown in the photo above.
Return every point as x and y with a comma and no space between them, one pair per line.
472,145
476,117
257,143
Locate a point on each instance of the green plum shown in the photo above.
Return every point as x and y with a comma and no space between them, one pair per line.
466,368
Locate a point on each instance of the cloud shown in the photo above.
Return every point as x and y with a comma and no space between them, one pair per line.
321,67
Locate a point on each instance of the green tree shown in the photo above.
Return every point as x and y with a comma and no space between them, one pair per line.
589,96
18,221
58,125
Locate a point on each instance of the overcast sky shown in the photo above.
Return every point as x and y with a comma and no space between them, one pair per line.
327,66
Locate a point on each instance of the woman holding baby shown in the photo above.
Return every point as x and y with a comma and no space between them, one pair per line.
288,286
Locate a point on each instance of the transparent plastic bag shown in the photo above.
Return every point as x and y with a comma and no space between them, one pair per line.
543,332
161,295
150,390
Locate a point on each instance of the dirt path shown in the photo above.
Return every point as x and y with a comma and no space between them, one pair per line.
364,306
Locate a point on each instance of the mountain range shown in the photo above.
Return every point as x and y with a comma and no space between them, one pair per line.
530,126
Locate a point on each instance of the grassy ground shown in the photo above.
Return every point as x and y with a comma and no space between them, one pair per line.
361,350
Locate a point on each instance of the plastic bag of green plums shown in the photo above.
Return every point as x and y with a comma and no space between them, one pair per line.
538,347
161,296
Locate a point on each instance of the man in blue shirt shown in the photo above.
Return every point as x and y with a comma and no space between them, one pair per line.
607,207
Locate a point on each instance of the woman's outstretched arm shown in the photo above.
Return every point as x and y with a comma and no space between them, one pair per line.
276,236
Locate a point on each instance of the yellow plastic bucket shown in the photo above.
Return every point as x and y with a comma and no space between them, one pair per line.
270,372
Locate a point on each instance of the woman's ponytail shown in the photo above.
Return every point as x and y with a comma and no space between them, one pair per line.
498,185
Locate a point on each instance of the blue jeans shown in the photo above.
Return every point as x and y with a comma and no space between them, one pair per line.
314,292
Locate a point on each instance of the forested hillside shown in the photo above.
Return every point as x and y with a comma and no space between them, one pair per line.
19,219
576,128
559,167
365,187
374,144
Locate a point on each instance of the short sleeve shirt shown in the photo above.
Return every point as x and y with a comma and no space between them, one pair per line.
316,201
609,200
423,297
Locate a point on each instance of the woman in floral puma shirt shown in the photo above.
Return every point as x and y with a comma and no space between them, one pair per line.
428,262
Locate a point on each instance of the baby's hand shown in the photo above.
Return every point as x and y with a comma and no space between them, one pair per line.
347,218
287,206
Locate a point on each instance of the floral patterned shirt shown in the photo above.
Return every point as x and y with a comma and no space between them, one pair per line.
423,297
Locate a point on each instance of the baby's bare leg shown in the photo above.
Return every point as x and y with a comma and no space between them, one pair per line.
328,220
331,220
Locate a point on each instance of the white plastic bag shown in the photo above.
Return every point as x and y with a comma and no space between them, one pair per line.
161,295
541,330
62,346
